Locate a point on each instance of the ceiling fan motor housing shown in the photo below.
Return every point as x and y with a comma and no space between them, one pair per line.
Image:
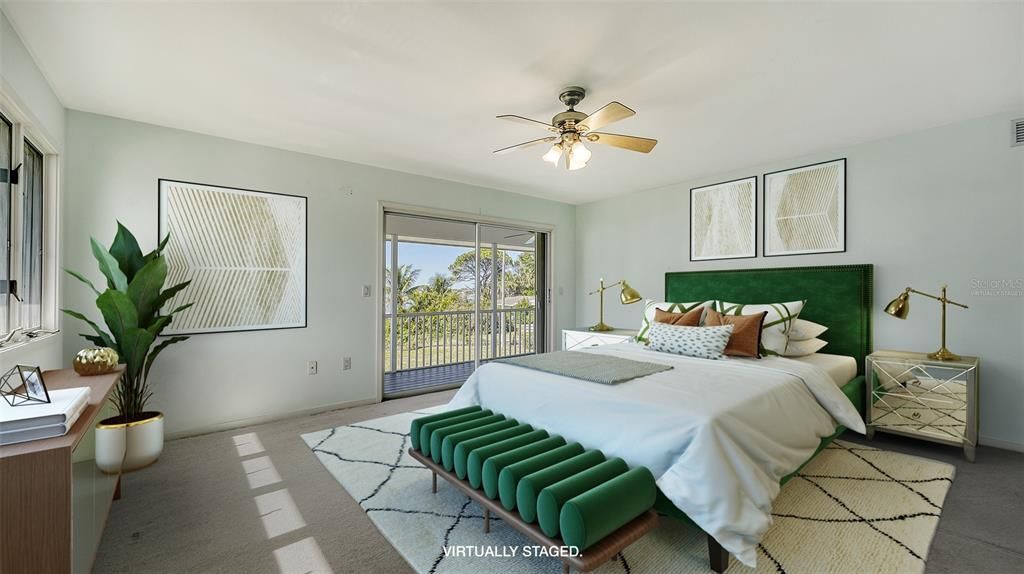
572,96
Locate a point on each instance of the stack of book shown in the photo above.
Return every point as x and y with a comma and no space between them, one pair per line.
35,421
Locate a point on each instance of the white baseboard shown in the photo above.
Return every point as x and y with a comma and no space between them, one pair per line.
1000,443
235,424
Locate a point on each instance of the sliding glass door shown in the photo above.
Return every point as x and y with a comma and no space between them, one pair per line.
457,293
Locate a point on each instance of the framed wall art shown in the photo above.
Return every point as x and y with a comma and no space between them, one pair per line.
723,220
243,250
805,209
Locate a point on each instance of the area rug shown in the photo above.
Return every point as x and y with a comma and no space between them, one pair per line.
852,509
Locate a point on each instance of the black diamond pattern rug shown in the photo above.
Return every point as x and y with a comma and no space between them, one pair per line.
852,509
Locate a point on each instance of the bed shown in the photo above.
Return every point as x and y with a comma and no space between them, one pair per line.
721,436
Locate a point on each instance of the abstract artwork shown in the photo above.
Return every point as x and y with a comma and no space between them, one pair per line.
723,220
805,209
244,251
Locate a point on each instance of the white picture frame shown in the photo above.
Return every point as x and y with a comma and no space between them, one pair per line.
723,220
805,210
243,250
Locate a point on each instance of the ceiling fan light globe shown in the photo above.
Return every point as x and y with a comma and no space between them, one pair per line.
579,155
553,155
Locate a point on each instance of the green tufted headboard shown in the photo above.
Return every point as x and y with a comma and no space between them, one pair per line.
838,296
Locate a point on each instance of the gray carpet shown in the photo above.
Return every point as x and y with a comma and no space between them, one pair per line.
196,510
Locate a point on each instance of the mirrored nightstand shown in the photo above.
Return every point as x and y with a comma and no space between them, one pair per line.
919,397
582,338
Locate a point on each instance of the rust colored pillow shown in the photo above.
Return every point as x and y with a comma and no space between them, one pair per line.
690,318
746,332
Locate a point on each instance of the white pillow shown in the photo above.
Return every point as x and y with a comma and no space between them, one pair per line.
700,342
777,323
804,330
803,348
650,306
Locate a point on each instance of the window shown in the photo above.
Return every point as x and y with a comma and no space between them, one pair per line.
27,266
30,288
6,158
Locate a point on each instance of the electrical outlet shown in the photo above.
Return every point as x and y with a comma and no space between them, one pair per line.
346,363
367,290
311,368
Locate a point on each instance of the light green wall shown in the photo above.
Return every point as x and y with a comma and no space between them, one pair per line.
112,171
945,205
23,83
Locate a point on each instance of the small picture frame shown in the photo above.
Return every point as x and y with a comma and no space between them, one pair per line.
24,385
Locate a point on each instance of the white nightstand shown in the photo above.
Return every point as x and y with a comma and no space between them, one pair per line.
924,398
583,337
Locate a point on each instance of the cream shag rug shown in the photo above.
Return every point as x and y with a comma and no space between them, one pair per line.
852,509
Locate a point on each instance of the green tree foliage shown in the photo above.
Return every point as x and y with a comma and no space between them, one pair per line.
405,280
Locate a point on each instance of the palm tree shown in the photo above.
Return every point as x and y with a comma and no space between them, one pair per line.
440,284
405,280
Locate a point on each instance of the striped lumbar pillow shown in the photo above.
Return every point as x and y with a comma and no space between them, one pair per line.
777,324
651,306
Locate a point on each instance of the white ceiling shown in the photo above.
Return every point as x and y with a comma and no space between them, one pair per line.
415,86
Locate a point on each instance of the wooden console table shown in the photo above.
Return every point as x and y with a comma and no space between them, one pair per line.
53,500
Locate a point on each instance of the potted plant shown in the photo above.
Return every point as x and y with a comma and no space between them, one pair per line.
132,309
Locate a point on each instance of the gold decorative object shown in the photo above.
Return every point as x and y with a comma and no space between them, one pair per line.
900,308
627,296
95,361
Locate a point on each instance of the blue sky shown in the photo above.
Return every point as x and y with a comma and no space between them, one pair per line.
429,259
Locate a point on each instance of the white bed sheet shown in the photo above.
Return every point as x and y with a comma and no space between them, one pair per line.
718,435
841,368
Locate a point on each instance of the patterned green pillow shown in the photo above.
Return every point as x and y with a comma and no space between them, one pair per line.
777,323
650,306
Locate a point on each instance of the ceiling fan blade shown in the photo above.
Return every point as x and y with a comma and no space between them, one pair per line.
528,121
526,144
632,143
611,113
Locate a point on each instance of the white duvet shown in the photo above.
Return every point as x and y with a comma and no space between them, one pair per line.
718,435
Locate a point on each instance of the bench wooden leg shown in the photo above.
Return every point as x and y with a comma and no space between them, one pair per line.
433,486
719,558
565,568
487,520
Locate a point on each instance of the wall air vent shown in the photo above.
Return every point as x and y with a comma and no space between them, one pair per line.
1018,131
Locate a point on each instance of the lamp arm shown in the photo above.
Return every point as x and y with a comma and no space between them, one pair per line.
942,299
606,287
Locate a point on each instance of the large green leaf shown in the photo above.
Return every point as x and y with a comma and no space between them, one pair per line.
159,248
171,292
144,289
134,348
156,351
180,308
158,325
111,269
118,312
107,340
125,249
83,279
95,340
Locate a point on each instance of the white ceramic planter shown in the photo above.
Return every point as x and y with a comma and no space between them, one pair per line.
124,447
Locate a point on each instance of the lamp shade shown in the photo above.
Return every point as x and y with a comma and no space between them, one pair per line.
628,295
900,306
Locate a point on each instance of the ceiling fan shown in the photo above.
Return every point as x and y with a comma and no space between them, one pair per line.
573,128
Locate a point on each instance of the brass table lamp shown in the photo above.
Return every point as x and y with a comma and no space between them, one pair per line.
900,308
627,296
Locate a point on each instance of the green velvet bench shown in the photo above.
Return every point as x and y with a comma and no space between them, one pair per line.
581,506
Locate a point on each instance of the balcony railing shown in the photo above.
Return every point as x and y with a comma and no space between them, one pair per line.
419,340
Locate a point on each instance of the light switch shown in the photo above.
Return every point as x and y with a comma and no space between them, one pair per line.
367,290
